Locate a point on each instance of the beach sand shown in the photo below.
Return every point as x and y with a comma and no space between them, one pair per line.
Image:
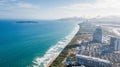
58,59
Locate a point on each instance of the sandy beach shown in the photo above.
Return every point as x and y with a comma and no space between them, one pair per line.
52,59
57,60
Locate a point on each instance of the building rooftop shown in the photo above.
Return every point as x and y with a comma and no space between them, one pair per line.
93,58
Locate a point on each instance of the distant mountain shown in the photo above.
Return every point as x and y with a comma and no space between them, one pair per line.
72,19
105,20
109,18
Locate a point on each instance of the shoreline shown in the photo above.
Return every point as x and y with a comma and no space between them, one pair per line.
59,58
55,50
53,58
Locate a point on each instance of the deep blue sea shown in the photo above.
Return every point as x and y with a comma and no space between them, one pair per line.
32,44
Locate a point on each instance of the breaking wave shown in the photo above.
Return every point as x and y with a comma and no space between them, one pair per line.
55,50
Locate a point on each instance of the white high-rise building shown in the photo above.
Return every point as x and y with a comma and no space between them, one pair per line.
92,61
115,43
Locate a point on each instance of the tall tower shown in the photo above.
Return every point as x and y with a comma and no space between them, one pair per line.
97,35
112,41
115,43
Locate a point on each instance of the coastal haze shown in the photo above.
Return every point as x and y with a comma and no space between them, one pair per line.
59,33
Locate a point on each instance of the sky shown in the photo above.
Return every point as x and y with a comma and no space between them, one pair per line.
53,9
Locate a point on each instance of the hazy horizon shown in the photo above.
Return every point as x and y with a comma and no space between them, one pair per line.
52,9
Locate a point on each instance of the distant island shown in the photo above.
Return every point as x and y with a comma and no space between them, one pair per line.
26,22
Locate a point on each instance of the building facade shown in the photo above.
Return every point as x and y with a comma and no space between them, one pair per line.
115,43
97,35
92,61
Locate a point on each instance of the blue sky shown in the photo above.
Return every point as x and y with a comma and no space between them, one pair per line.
52,9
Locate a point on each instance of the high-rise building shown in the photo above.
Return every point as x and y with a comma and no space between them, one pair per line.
92,61
97,35
115,43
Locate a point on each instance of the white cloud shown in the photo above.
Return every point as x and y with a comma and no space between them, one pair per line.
77,6
100,7
98,4
26,5
107,3
7,0
28,9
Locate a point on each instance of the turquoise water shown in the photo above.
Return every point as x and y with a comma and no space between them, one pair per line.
22,43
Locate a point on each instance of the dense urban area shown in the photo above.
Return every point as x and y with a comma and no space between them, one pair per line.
99,46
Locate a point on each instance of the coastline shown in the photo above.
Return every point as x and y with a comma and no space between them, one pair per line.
55,50
59,58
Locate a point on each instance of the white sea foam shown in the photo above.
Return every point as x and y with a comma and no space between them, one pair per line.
54,50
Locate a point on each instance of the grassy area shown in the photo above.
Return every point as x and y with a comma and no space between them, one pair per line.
58,61
71,56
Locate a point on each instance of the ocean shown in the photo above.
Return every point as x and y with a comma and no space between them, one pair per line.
33,44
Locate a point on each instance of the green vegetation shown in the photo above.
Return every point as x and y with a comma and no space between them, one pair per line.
71,56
